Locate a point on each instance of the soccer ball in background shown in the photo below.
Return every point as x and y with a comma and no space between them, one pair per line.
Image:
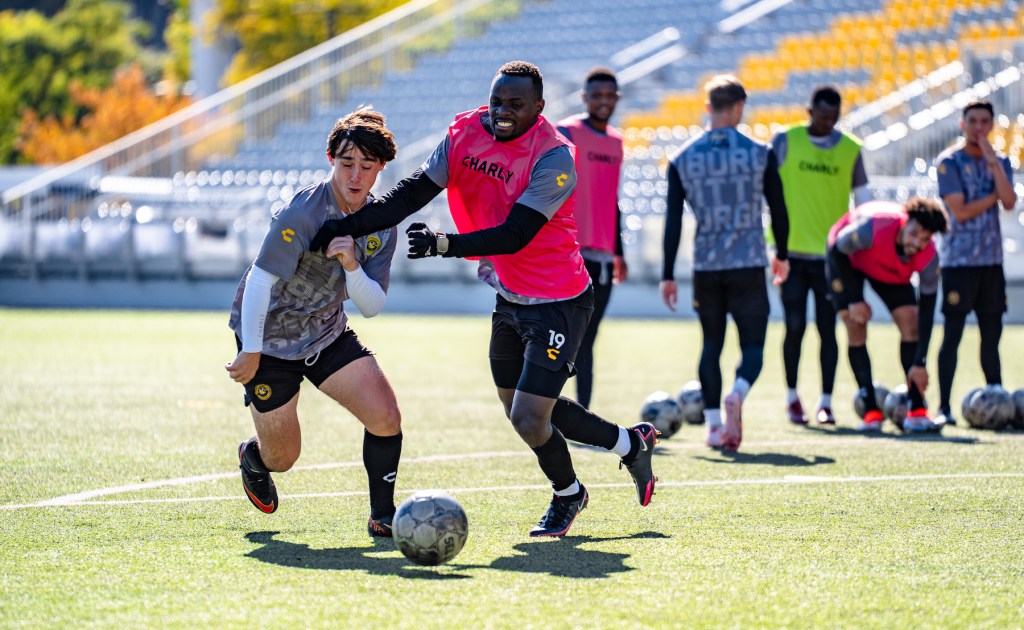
430,527
691,401
1018,402
897,404
992,408
965,407
859,399
661,410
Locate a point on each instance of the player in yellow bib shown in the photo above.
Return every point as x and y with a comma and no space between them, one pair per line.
820,167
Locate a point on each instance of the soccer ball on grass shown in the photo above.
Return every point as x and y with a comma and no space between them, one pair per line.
661,410
430,527
991,408
859,406
691,402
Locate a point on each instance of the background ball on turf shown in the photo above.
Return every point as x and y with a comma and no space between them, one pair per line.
881,391
662,410
897,404
1018,402
991,408
691,401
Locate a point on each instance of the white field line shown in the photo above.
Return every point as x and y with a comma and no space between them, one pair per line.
86,498
777,481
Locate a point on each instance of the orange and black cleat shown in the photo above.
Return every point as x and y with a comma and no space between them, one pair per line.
259,487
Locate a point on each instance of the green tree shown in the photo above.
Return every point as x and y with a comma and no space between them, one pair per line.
270,31
86,42
177,65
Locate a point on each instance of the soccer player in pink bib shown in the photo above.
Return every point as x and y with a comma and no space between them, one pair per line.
598,220
510,178
886,243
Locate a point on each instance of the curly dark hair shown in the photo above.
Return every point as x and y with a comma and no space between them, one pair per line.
525,69
364,129
928,213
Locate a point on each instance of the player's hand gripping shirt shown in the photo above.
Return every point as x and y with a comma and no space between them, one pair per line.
306,305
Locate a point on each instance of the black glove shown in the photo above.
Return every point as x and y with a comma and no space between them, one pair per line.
422,241
329,230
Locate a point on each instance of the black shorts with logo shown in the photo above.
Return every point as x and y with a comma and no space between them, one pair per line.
547,335
893,295
278,380
978,289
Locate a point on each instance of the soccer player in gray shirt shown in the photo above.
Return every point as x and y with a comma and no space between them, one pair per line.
290,323
973,180
724,174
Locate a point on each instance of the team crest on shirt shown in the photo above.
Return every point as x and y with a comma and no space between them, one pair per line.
942,168
372,244
262,392
953,298
837,285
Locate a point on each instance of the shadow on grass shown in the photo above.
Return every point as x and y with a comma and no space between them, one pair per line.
555,556
771,459
563,557
302,556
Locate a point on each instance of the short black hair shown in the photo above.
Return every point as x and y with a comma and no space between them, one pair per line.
979,104
928,213
364,129
827,94
601,73
524,69
724,91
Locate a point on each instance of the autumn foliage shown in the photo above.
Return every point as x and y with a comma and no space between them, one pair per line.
109,113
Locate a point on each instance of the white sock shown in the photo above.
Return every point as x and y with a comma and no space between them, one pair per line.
826,401
741,387
713,418
622,445
791,395
571,490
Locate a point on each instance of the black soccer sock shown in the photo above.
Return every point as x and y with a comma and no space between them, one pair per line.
751,362
580,425
908,350
555,461
380,458
829,354
796,324
251,457
953,331
990,327
860,365
710,372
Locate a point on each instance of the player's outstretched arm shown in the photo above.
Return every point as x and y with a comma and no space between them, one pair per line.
408,196
522,224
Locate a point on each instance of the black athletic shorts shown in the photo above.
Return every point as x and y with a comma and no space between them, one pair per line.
978,289
277,380
546,335
804,275
893,295
741,293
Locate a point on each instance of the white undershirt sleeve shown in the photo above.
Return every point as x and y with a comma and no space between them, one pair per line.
255,304
365,293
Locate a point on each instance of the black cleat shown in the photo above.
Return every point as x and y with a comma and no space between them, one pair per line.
561,514
640,468
380,526
259,487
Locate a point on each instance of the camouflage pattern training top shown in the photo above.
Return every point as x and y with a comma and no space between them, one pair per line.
306,312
